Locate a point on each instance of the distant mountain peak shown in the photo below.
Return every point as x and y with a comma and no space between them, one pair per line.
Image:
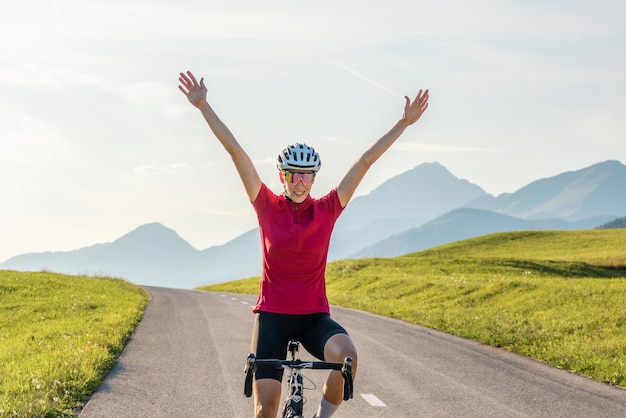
430,165
423,173
153,235
608,163
148,230
420,194
152,227
572,195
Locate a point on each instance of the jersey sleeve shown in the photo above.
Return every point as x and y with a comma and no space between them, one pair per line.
262,199
333,203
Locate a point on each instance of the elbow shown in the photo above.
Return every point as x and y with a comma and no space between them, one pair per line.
367,160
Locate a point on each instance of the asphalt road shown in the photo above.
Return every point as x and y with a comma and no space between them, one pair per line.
187,356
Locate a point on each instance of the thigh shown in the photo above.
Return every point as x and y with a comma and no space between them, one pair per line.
319,329
269,341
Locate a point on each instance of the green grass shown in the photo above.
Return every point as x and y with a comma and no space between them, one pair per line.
59,336
556,296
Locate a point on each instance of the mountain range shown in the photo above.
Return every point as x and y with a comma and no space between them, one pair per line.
418,209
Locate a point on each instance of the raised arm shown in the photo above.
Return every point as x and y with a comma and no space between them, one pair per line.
196,93
412,112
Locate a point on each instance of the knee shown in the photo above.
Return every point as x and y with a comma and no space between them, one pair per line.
355,361
349,352
339,347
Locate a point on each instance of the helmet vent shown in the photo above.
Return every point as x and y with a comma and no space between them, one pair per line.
298,156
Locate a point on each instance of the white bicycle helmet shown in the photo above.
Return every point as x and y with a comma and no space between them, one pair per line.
299,157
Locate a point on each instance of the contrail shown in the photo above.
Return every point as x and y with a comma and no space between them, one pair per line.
362,77
56,11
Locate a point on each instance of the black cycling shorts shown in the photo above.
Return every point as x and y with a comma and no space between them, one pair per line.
275,331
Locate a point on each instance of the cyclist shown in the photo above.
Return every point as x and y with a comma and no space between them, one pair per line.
295,234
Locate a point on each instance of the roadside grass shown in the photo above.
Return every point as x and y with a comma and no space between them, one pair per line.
556,296
59,337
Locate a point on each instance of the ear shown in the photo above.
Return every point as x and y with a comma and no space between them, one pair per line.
282,177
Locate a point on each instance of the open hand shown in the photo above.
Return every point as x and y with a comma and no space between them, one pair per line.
413,110
195,92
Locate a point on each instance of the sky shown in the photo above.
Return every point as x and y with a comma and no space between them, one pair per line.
96,139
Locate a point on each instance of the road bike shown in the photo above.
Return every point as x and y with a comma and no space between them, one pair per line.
295,400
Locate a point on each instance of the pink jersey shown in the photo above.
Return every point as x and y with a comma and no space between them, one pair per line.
294,244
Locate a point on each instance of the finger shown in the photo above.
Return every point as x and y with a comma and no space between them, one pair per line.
424,102
202,83
184,90
192,77
183,79
419,96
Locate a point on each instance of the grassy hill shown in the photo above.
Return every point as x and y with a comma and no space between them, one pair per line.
557,296
59,336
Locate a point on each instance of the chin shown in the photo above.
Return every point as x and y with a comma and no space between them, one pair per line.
298,198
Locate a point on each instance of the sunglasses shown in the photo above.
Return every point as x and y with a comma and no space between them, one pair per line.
293,178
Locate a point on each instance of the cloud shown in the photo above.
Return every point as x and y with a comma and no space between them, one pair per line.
265,161
11,187
153,97
149,170
228,214
28,141
421,148
335,140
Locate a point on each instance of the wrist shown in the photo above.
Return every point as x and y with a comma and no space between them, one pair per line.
403,123
203,105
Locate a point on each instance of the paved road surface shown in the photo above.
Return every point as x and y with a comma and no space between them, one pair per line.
187,355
